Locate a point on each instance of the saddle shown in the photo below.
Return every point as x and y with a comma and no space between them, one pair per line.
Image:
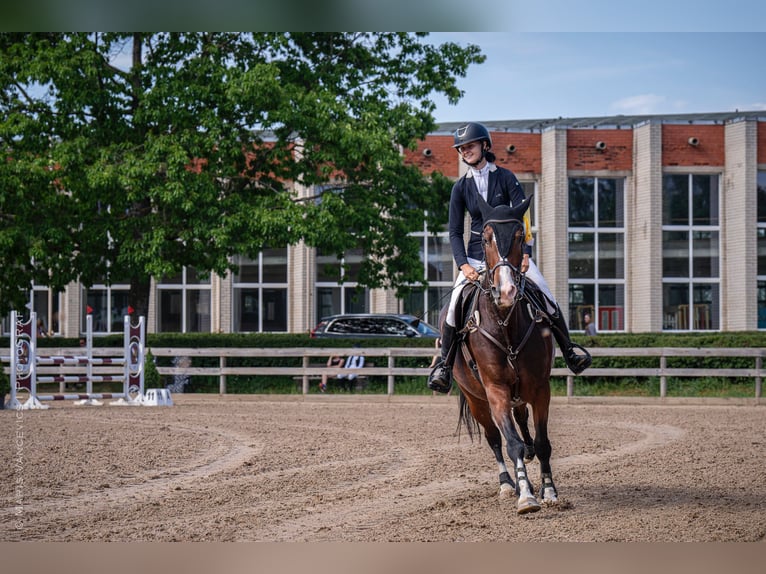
466,307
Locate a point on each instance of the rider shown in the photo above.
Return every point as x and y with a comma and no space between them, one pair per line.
498,186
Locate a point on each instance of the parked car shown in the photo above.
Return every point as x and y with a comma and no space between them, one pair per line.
373,325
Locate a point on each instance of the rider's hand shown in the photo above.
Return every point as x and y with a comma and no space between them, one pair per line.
469,272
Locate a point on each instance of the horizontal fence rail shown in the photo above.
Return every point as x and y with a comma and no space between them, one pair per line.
306,370
310,364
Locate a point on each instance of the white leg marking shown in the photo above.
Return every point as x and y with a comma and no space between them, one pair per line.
527,501
549,495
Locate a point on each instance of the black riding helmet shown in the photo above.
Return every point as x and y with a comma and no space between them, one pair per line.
472,132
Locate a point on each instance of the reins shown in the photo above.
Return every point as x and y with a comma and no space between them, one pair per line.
507,346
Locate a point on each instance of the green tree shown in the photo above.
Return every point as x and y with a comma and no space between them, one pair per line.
127,156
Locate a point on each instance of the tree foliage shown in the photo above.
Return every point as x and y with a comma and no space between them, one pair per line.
127,156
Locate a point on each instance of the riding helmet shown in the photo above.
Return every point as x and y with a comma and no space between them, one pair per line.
471,132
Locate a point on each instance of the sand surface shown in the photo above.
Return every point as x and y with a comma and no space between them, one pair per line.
372,469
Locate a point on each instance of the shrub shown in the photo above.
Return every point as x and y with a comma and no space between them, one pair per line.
152,379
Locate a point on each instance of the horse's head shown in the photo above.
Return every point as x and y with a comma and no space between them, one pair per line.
503,242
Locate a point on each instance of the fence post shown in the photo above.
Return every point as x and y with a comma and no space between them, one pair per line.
570,386
663,378
305,364
390,376
222,376
758,366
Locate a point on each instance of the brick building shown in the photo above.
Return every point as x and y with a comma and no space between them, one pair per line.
649,223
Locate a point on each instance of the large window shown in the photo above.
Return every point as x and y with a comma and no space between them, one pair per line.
336,284
762,249
259,302
183,303
597,252
47,305
108,304
690,252
437,261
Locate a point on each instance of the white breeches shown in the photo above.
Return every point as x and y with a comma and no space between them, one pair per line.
533,274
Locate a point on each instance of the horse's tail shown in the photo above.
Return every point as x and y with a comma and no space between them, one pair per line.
466,419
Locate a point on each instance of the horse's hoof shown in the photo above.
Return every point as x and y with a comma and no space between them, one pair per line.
507,491
548,492
526,505
550,496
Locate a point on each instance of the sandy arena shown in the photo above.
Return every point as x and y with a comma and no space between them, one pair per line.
374,469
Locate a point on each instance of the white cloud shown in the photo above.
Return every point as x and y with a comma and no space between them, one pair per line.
640,104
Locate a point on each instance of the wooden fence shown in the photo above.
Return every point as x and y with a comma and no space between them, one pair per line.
310,364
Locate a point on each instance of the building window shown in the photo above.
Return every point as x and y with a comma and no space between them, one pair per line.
47,305
108,305
597,252
259,302
690,252
183,303
436,258
336,284
762,249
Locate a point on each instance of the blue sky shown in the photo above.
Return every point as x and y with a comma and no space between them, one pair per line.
529,75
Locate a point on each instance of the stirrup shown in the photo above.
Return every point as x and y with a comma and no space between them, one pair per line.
437,377
576,362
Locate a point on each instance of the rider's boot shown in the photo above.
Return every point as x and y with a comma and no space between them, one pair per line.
440,379
577,362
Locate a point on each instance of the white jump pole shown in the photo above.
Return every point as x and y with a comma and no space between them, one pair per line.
24,362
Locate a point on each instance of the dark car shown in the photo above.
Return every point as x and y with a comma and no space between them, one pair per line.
373,325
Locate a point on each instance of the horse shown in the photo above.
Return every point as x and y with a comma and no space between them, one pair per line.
505,359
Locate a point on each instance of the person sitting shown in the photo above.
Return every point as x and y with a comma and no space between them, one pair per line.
352,362
333,361
41,330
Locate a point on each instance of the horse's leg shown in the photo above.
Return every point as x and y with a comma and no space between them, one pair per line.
495,441
479,410
502,414
521,414
548,492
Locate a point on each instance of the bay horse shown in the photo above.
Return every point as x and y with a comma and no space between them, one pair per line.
505,361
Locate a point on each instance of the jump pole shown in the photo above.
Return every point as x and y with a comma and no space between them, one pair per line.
24,362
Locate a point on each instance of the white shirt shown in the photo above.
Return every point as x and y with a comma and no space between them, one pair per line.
481,177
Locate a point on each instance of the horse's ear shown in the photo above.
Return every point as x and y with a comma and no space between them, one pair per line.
520,209
486,209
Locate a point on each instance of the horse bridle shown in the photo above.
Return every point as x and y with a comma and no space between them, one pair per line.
516,274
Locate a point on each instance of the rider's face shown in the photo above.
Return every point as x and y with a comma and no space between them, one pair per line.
471,152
